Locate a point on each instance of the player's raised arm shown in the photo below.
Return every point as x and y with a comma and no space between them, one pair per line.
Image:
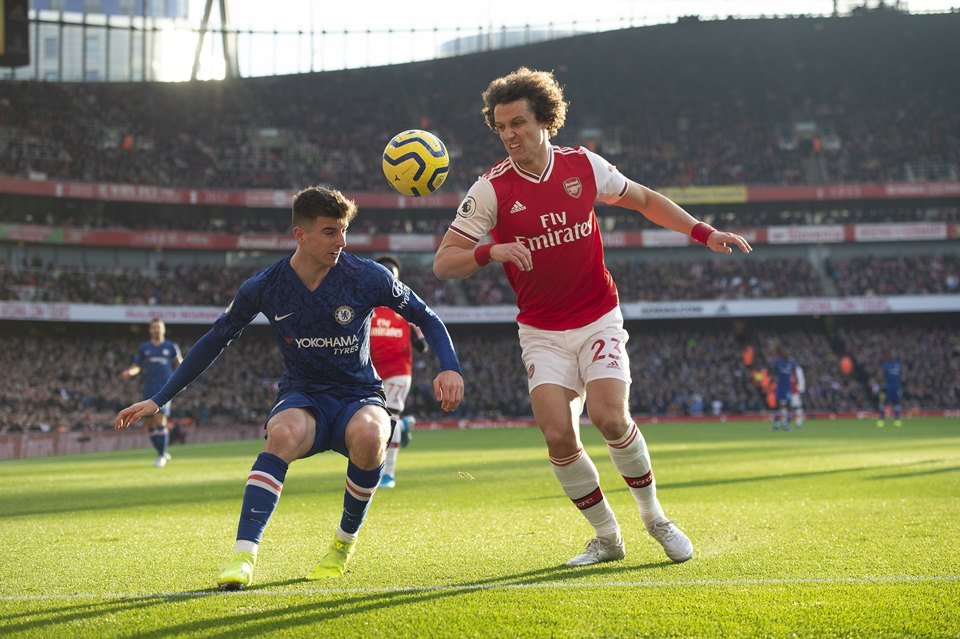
663,211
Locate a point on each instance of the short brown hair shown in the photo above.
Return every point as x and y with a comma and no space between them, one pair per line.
539,88
319,201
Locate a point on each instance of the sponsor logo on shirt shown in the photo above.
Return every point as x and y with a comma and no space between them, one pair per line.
342,341
556,232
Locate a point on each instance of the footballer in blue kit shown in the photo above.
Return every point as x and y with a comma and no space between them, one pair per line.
156,358
319,302
892,390
784,370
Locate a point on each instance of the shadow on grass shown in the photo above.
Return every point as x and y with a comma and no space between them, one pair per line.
286,617
918,473
94,607
796,475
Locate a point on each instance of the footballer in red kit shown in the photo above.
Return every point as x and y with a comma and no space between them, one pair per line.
538,206
552,215
392,340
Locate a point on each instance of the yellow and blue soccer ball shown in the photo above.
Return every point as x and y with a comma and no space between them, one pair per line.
415,163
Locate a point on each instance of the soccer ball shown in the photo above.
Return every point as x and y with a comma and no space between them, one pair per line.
415,163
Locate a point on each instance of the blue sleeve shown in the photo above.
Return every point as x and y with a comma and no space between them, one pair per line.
244,307
138,358
408,304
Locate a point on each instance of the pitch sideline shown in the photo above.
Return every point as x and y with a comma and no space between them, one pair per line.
479,587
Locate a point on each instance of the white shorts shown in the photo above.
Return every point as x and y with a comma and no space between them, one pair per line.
396,389
574,357
795,401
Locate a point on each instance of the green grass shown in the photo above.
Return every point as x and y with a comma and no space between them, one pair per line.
838,530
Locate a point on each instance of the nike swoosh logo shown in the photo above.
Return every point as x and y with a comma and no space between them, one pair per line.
259,512
277,318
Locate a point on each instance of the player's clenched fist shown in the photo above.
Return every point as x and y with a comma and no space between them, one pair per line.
135,412
448,389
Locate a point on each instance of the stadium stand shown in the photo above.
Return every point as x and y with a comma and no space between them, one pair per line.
872,99
832,100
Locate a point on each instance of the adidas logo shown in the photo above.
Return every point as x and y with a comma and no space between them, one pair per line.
517,207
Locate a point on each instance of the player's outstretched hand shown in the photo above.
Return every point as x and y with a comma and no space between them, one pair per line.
513,252
448,389
721,242
133,413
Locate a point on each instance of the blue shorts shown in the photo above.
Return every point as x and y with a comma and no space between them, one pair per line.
892,396
782,394
332,415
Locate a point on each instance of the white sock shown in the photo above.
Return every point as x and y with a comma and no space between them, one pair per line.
345,537
629,455
246,546
580,481
393,448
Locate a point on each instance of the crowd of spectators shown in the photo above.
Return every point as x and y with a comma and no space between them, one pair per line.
930,356
846,99
638,280
68,381
903,275
79,214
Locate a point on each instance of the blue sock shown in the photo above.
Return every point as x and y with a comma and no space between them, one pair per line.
160,437
361,485
261,496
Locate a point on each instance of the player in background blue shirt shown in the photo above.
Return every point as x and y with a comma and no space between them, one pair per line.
157,358
784,370
892,392
319,302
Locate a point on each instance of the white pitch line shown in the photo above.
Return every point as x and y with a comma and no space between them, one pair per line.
479,587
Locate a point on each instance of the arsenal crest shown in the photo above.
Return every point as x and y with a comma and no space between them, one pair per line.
573,187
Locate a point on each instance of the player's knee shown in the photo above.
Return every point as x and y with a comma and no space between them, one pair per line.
561,442
611,425
367,442
284,438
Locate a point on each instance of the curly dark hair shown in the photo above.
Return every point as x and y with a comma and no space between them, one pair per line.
319,201
539,88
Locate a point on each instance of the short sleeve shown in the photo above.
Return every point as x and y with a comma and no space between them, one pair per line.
477,213
611,184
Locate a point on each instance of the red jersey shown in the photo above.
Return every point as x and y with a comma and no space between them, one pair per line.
552,214
390,347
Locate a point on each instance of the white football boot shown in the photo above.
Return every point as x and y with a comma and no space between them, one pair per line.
599,550
674,542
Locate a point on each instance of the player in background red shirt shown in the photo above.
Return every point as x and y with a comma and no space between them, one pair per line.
537,205
392,340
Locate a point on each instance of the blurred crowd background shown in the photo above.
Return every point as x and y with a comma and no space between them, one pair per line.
872,99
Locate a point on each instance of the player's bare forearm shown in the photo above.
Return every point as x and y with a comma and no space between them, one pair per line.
663,211
456,258
134,413
657,208
448,390
454,262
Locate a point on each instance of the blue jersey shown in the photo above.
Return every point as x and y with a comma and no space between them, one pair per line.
784,369
891,376
323,335
157,362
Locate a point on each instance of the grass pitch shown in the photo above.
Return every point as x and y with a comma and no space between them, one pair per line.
840,529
